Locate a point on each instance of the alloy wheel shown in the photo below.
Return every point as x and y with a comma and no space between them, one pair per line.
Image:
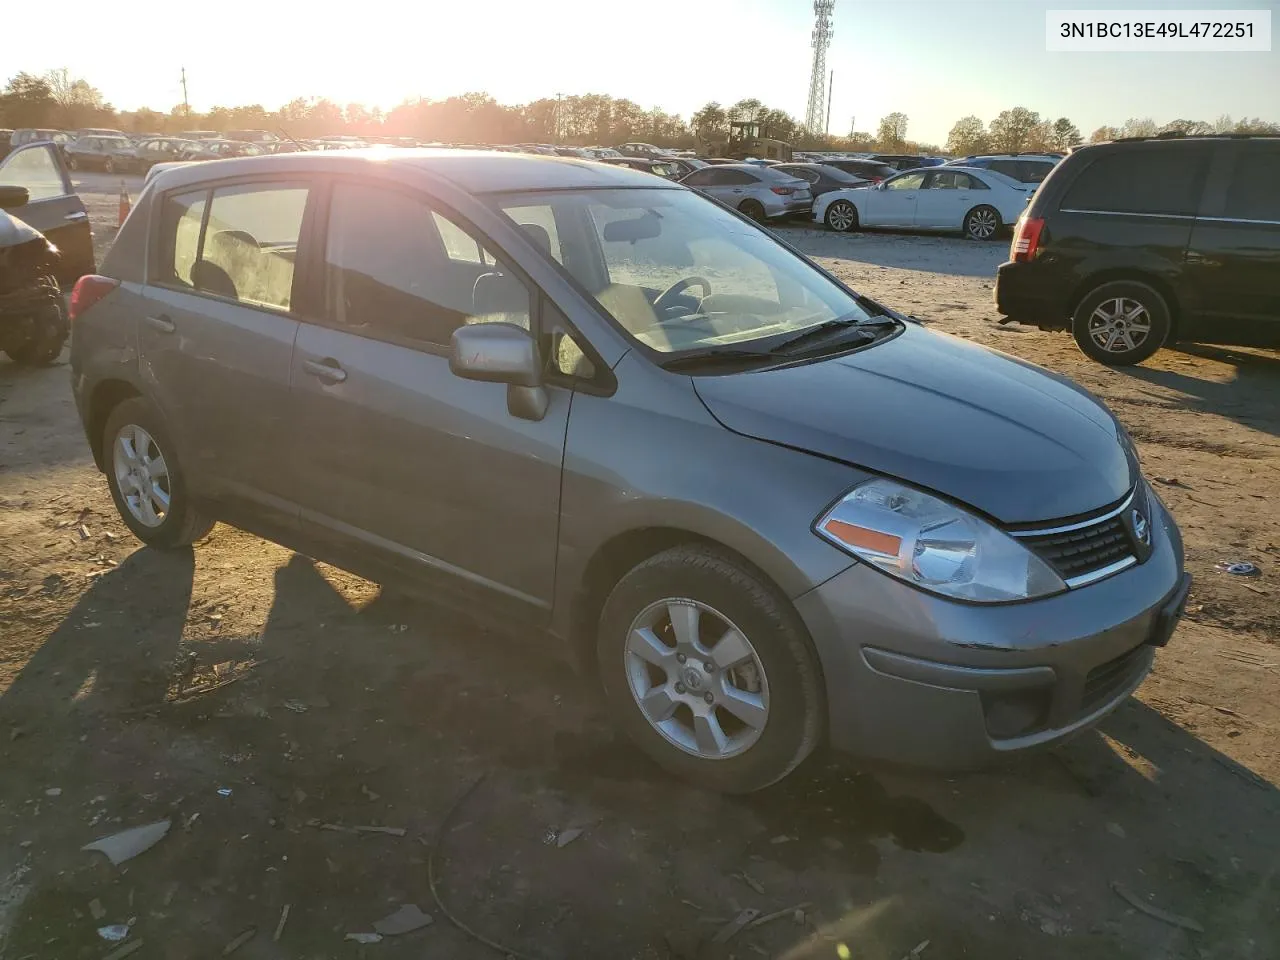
142,475
1120,324
841,216
983,224
696,678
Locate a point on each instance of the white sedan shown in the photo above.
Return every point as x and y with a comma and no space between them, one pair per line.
977,203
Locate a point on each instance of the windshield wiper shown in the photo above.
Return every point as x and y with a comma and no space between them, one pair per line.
716,356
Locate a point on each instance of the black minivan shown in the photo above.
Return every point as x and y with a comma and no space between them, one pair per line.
1137,243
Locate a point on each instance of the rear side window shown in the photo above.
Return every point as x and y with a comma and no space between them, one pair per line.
180,218
735,178
1254,190
388,271
1033,171
1140,181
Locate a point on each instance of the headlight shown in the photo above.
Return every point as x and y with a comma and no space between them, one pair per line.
934,545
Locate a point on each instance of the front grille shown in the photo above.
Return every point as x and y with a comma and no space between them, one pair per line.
1075,553
1105,681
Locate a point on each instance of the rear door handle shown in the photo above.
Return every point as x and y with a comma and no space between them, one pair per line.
161,323
327,370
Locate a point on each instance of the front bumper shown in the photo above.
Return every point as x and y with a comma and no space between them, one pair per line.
914,678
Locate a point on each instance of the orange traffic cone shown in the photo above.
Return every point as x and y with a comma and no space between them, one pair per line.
124,205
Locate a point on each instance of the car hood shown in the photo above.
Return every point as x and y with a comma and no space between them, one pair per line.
1017,442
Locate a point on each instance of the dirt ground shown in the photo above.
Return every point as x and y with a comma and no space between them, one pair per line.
265,706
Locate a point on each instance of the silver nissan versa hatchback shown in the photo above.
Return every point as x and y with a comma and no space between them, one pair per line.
763,509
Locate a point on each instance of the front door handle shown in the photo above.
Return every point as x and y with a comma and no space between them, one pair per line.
79,215
161,323
327,370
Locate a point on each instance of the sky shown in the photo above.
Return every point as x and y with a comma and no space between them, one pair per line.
934,60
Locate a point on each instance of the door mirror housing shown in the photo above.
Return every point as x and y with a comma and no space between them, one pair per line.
13,197
502,353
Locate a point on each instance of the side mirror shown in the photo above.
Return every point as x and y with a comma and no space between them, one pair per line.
11,198
502,353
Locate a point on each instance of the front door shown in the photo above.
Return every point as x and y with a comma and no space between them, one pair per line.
217,332
53,207
1233,257
395,457
892,203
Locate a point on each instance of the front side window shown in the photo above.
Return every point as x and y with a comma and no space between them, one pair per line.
389,272
250,243
679,273
1162,181
910,181
36,169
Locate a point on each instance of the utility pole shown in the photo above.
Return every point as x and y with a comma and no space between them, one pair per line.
186,107
820,41
831,86
557,118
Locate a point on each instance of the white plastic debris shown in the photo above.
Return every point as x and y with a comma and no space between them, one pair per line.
364,937
127,844
405,920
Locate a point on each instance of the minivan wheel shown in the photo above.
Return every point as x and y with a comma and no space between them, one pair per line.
709,670
982,223
1121,323
753,209
842,216
146,480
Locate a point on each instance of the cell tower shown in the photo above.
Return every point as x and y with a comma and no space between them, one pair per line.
815,115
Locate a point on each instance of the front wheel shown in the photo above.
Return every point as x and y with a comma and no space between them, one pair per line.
109,165
753,209
1121,323
842,216
982,223
49,331
709,670
72,162
146,480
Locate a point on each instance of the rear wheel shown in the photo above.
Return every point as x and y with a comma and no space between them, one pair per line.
72,162
982,223
753,209
146,480
109,165
1121,323
842,216
709,670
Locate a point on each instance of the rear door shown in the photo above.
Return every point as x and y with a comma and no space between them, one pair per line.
398,461
216,337
892,203
53,208
946,197
1233,258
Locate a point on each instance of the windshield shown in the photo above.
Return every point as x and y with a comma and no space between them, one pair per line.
678,272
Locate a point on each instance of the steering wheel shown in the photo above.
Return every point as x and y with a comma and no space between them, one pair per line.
680,286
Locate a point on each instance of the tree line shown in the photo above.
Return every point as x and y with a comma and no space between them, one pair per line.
57,99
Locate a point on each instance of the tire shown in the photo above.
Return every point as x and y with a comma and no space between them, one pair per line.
72,162
842,216
182,523
782,674
982,223
109,165
50,333
1121,323
753,209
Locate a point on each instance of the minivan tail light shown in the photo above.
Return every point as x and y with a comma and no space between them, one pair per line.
783,191
88,290
1026,240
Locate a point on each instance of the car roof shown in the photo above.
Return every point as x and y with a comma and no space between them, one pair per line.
475,171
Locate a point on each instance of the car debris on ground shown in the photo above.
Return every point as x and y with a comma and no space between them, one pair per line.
127,844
